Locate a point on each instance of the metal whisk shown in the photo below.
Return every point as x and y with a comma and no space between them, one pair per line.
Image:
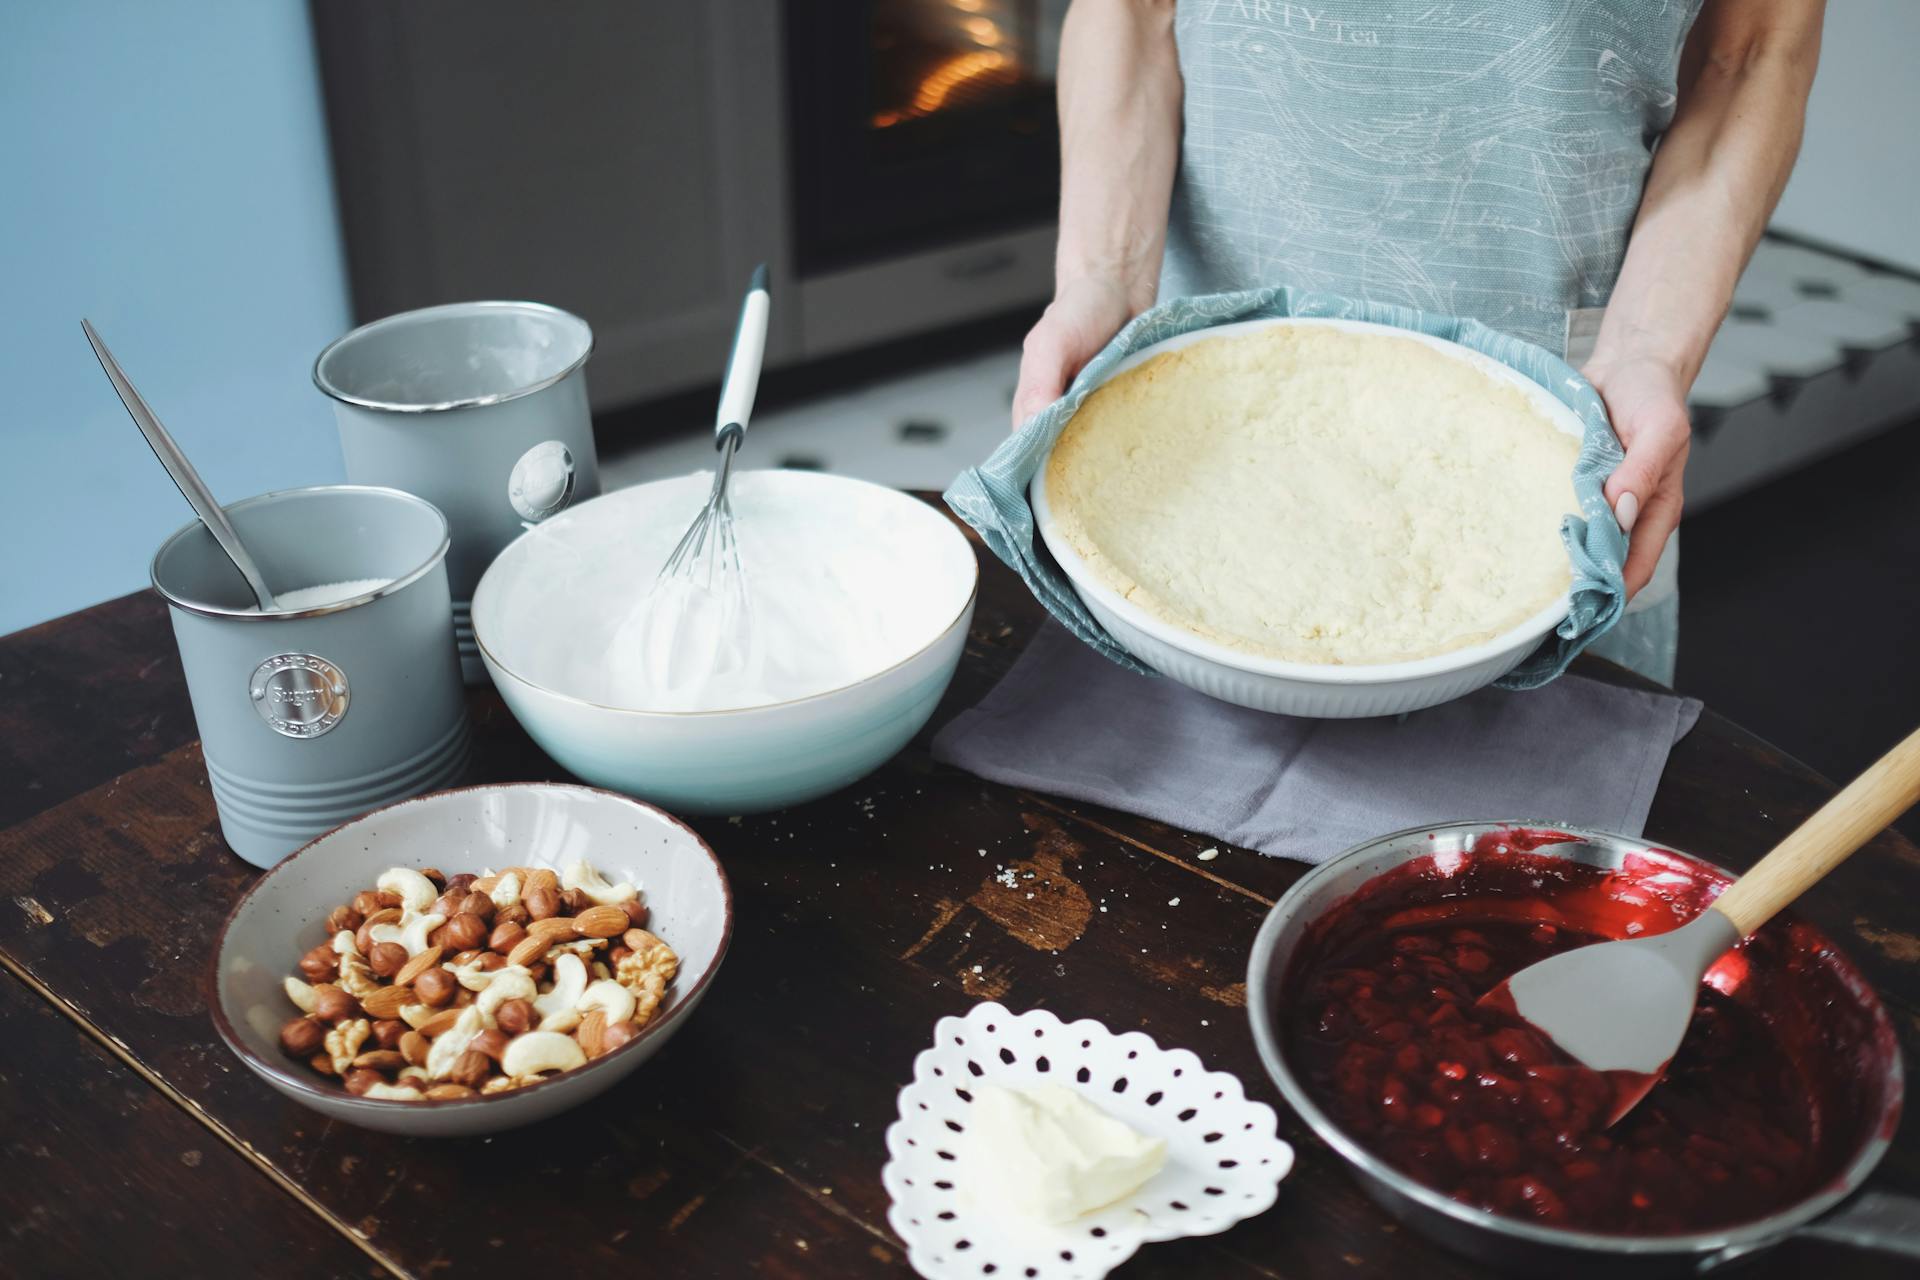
701,590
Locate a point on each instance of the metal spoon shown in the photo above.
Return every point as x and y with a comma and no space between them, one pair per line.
1623,1007
192,487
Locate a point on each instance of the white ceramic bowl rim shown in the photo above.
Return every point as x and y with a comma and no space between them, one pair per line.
1081,574
685,999
480,641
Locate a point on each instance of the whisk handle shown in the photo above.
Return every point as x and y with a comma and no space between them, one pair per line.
743,366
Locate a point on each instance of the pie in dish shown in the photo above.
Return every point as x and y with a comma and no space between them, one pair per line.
1318,495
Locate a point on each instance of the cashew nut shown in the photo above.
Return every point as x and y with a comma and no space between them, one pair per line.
343,1043
393,1092
446,1050
410,933
344,945
608,996
414,1073
506,891
583,877
533,1052
416,891
556,1008
499,1084
301,994
474,978
415,1015
510,983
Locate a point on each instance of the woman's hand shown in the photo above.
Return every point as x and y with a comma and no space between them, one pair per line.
1646,398
1083,316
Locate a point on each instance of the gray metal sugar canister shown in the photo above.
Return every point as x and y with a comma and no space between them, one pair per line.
311,717
478,407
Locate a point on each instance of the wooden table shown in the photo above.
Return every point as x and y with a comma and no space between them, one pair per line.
136,1144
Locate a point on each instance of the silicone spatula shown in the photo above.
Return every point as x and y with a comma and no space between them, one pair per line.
1622,1007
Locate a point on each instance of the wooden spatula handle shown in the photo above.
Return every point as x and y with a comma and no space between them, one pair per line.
1885,791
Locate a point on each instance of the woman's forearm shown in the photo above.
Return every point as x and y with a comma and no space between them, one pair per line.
1120,98
1714,182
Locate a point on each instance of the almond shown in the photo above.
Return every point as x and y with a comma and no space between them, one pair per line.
442,1092
592,1033
440,1023
543,878
381,1060
601,922
554,929
528,950
639,940
386,1002
485,884
413,1047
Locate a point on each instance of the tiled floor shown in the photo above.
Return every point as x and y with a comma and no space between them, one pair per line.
912,432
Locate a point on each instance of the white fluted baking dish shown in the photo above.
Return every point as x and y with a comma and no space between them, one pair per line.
1326,691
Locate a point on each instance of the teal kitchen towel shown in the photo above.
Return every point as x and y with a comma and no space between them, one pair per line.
992,497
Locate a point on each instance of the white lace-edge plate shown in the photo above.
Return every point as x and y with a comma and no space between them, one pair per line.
1225,1159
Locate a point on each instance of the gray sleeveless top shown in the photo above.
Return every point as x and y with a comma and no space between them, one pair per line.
1481,158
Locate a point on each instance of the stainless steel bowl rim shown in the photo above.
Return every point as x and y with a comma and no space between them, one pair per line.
1736,1239
253,614
466,402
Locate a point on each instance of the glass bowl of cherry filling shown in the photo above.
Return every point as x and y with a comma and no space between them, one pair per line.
1470,1126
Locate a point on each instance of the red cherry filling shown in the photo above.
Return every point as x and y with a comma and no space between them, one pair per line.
1385,1035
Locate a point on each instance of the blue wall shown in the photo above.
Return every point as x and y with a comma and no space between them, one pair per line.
163,172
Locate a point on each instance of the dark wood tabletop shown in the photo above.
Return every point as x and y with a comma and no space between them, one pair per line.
136,1144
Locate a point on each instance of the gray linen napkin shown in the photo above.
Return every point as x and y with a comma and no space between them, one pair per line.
1067,722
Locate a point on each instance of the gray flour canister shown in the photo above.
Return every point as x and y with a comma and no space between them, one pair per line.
313,716
478,407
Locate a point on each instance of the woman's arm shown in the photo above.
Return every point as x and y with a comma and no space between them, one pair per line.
1120,91
1744,79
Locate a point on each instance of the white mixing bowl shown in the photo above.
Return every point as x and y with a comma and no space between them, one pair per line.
545,612
1325,691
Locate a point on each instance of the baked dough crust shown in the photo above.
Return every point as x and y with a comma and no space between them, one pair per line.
1318,495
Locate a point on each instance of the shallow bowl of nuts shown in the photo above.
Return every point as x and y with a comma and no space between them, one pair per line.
471,960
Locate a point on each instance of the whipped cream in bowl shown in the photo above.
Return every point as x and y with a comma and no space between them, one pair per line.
858,599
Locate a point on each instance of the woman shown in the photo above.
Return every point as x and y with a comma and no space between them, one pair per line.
1496,160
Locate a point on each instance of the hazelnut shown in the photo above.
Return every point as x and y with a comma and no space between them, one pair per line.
436,875
363,937
388,1031
461,959
323,1063
542,903
435,987
617,1034
490,960
477,904
302,1037
619,952
514,1016
463,881
464,932
320,963
361,1079
342,917
470,1069
366,902
575,901
637,912
490,1044
505,937
331,1004
386,959
447,903
388,898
